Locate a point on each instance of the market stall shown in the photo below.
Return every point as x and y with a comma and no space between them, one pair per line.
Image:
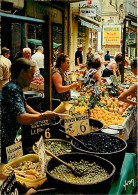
85,116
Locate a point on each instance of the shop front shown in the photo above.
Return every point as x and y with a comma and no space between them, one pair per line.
85,22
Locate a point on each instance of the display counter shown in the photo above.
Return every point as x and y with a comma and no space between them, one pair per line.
125,183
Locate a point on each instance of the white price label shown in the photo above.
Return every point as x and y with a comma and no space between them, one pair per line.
14,151
42,154
83,124
70,126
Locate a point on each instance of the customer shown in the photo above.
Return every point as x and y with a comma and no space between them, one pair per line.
107,56
39,58
5,66
89,55
132,91
27,54
79,57
61,84
93,75
113,67
15,111
101,59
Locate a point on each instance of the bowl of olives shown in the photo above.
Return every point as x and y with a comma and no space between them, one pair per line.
97,173
107,146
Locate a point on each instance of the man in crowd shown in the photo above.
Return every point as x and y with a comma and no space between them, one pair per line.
15,111
27,54
79,57
107,56
39,58
5,65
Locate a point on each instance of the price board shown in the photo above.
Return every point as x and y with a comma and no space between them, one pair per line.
77,125
83,124
42,154
14,151
113,79
71,126
9,186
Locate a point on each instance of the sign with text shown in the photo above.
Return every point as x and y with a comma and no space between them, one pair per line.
111,35
70,126
83,124
14,151
90,8
9,186
42,154
77,125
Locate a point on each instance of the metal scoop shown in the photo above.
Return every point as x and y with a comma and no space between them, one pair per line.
73,169
92,148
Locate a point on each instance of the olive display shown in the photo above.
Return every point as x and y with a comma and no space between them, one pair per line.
91,173
56,146
103,143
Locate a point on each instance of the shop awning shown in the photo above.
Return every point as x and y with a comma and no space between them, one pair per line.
133,45
23,18
90,25
39,42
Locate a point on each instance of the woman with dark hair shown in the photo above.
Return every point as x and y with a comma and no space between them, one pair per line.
93,75
113,67
61,84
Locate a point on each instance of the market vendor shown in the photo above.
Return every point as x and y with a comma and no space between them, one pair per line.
132,91
61,84
113,67
15,111
93,75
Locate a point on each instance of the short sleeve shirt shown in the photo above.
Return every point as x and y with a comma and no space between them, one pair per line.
13,104
78,54
90,76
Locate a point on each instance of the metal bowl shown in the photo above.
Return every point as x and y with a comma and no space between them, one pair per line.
72,188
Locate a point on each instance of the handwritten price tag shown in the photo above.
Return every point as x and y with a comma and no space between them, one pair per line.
42,154
77,125
83,124
9,186
14,151
70,126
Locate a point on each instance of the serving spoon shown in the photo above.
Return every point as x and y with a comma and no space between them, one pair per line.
73,169
92,148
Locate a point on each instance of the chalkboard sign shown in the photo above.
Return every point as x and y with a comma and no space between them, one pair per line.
32,133
9,186
113,79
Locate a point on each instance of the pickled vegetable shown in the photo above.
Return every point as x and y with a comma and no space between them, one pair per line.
91,173
57,146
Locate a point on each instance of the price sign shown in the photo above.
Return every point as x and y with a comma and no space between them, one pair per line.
42,154
70,126
83,124
77,125
14,151
113,79
9,186
72,111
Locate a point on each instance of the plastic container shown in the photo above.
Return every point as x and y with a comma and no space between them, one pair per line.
110,132
26,183
119,128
